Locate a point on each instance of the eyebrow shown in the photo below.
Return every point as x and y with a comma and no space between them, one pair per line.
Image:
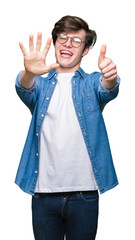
72,36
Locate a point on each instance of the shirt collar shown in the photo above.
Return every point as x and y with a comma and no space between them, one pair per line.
52,73
80,71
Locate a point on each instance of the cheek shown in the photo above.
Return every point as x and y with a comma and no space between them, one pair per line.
79,52
79,55
56,54
56,47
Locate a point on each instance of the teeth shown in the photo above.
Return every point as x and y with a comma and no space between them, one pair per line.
66,52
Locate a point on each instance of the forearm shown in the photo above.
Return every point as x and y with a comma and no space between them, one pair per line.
27,79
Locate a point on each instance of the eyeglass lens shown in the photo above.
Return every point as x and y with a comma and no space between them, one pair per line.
63,38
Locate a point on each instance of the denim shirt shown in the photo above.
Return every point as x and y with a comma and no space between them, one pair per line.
89,98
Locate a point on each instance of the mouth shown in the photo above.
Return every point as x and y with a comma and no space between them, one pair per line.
66,53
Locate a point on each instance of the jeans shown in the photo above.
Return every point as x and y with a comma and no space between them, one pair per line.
70,214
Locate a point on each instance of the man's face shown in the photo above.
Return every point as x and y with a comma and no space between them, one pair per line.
68,56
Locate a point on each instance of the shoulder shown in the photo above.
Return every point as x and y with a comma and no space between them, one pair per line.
93,78
41,81
90,76
93,75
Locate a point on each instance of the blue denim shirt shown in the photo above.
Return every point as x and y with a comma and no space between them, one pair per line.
89,98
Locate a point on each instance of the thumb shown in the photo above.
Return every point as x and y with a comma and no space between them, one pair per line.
102,53
51,67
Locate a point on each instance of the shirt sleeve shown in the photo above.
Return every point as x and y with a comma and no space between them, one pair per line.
104,94
28,96
106,90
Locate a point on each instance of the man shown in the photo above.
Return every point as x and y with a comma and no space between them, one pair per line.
66,157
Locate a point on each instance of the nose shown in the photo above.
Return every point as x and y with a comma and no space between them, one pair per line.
68,43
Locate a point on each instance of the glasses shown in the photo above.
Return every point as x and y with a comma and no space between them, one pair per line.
75,41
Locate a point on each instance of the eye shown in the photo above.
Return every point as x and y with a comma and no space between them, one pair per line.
77,40
63,36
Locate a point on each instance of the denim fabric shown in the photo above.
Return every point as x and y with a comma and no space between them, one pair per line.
73,214
89,99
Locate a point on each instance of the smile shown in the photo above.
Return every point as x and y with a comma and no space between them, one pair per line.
66,53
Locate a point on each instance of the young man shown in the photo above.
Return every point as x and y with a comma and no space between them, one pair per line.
66,157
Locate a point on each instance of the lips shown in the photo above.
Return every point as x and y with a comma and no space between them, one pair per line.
66,53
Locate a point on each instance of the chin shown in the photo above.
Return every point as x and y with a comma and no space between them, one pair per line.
64,65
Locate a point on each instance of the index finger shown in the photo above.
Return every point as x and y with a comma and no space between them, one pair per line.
47,46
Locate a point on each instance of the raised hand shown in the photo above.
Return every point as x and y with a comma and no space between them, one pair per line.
35,60
107,68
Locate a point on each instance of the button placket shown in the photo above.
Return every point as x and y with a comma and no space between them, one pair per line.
36,153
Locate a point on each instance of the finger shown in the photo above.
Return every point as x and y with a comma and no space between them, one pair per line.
105,63
31,43
47,46
110,67
113,77
102,53
110,73
22,48
51,67
39,41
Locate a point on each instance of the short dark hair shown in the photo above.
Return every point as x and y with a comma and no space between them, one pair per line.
72,23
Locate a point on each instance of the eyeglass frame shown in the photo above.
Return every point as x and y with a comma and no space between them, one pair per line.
81,41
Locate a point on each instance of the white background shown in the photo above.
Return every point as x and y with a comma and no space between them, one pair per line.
114,24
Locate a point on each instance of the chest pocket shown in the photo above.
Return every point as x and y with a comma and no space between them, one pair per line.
90,102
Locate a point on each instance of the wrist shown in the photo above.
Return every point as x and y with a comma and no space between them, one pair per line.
29,75
109,83
27,79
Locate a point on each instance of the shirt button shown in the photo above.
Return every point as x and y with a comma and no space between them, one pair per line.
47,98
37,154
79,114
35,171
53,82
36,134
42,115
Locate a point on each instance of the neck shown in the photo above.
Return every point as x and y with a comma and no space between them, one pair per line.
66,70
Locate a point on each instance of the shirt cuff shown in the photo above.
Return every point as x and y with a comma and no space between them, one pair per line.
21,88
103,89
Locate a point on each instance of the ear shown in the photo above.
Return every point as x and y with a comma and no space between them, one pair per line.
86,51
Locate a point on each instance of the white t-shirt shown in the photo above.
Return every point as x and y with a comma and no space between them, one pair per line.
64,163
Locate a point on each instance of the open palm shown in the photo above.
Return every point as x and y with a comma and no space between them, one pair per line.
35,60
